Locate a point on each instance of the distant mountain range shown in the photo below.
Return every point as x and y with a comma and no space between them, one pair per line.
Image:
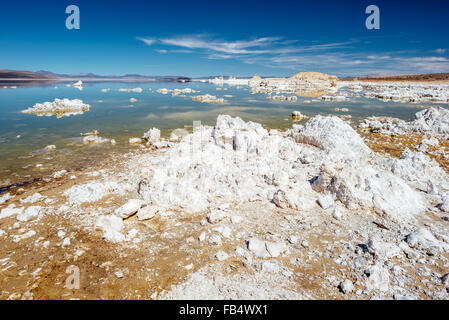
405,77
51,76
47,75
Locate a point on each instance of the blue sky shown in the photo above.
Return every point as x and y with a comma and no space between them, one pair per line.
240,38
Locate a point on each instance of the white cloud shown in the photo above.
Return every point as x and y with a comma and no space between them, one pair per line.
147,41
342,58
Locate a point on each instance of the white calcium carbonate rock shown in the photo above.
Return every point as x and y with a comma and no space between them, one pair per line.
265,249
129,208
378,278
444,206
58,107
362,186
383,250
29,213
5,198
423,239
257,247
346,286
89,192
33,198
111,226
326,201
238,161
146,213
333,135
135,141
221,255
152,136
10,211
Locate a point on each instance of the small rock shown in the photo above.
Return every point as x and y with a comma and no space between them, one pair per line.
221,255
146,213
129,208
346,286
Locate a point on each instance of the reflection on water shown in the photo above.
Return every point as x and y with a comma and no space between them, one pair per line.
24,136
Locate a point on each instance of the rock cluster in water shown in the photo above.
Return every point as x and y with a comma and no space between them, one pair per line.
58,107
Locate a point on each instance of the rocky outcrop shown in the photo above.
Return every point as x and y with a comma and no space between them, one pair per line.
60,108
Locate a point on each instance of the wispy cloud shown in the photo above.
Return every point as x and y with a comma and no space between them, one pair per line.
343,57
147,41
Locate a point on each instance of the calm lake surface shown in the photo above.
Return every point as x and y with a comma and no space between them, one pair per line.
114,116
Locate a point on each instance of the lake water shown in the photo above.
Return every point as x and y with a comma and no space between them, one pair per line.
114,116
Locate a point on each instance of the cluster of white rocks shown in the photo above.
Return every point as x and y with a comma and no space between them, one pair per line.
282,98
413,92
238,161
151,137
434,121
333,98
176,91
58,107
137,90
207,98
303,82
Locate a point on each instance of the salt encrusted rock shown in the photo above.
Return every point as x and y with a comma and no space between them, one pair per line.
215,216
270,266
240,161
265,249
423,239
215,239
111,226
91,139
146,213
58,107
10,211
129,208
333,98
236,219
444,205
346,286
221,255
416,168
362,186
5,198
300,197
33,198
152,136
378,278
59,174
434,121
135,141
29,213
326,201
225,231
332,135
275,248
257,247
383,250
89,192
